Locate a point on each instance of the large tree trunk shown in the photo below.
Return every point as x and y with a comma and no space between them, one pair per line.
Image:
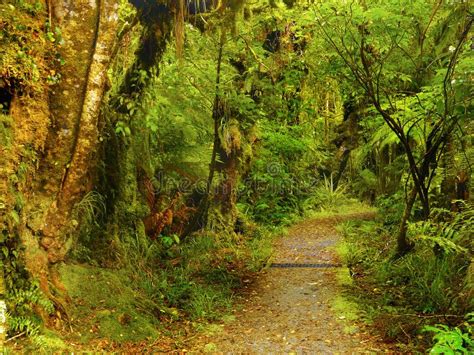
62,130
80,150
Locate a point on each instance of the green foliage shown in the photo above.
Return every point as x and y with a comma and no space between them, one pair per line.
25,301
22,317
448,231
6,138
196,276
436,286
260,247
208,302
202,282
425,281
282,177
126,13
32,7
452,340
391,208
169,241
90,208
432,279
329,197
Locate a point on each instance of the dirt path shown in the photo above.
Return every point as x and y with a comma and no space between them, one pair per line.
291,310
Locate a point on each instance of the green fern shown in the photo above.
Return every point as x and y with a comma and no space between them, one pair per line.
22,318
449,231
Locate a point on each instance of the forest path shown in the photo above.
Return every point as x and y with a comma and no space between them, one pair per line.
291,310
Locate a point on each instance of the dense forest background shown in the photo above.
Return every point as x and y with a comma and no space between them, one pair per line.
158,147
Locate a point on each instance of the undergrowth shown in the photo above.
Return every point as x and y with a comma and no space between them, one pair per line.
160,284
428,286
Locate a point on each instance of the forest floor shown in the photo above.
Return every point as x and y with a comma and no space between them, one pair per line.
280,310
297,309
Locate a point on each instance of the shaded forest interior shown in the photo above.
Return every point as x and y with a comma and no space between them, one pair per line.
155,150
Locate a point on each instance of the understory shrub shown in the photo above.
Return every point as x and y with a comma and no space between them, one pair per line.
423,286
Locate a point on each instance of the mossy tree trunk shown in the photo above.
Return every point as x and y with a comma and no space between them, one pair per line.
3,311
348,139
127,158
227,192
59,127
100,22
225,159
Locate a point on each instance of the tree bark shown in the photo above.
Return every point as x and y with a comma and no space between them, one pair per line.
85,142
403,244
62,130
